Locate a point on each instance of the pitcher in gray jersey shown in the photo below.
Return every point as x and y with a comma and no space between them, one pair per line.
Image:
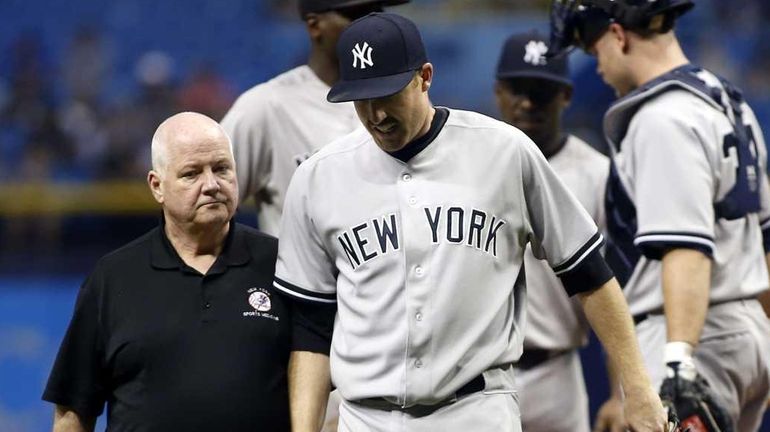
532,92
687,202
415,228
278,124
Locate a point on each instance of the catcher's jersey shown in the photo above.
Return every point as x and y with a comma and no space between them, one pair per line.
689,170
584,171
275,126
423,256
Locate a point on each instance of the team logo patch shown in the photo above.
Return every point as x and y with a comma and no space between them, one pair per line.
362,56
534,53
259,299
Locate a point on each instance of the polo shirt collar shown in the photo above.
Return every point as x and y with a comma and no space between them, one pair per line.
234,253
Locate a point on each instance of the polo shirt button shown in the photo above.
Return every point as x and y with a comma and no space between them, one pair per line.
208,305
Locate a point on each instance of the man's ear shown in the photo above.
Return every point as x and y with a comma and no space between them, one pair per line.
620,36
153,180
313,26
426,73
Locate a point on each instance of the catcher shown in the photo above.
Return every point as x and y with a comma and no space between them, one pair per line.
688,212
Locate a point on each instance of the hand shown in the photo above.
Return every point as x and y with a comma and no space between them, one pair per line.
644,411
610,417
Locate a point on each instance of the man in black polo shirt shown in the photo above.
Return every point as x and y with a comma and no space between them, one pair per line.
179,330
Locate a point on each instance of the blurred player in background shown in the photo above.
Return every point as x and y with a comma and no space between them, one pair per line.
687,209
277,124
532,92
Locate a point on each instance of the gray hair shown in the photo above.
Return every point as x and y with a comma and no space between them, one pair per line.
159,146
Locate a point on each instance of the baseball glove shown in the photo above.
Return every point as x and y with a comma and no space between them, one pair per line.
687,397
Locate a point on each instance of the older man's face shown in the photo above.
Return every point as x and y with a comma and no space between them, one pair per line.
199,184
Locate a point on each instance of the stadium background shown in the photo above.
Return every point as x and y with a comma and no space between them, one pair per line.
83,84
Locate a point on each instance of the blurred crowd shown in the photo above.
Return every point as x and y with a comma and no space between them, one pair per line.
56,123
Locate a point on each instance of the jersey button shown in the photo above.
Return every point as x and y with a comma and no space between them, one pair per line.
412,200
406,177
418,363
418,316
419,271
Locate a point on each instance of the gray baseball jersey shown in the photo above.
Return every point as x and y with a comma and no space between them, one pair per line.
275,126
689,170
423,253
584,171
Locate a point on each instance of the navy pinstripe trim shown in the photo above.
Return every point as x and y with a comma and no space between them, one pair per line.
593,243
590,274
653,243
295,291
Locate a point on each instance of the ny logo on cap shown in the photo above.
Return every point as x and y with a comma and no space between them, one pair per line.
535,53
362,55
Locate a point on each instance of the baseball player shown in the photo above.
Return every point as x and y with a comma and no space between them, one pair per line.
687,209
415,228
278,124
532,93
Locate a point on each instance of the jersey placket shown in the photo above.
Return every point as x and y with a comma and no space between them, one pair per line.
417,258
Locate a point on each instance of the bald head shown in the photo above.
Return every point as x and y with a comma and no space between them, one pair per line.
193,175
182,132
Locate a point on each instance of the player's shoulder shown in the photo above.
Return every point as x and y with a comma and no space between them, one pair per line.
474,120
490,131
578,149
272,90
337,151
677,106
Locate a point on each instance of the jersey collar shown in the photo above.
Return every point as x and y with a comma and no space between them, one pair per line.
411,149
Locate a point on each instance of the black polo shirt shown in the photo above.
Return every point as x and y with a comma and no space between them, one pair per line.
168,348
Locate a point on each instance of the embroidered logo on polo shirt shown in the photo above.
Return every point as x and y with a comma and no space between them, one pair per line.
259,299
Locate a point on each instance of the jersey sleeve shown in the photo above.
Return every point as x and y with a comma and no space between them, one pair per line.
78,379
247,126
599,213
561,230
304,270
673,184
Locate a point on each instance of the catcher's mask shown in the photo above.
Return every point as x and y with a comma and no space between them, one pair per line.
580,23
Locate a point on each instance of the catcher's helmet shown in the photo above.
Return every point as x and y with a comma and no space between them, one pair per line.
582,22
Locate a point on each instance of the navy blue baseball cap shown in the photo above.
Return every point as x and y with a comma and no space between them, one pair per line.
379,55
319,6
523,56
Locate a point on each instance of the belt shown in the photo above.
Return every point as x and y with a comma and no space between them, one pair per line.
533,357
477,384
638,319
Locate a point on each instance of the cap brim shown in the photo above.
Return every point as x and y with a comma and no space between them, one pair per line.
536,74
369,88
303,10
364,2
